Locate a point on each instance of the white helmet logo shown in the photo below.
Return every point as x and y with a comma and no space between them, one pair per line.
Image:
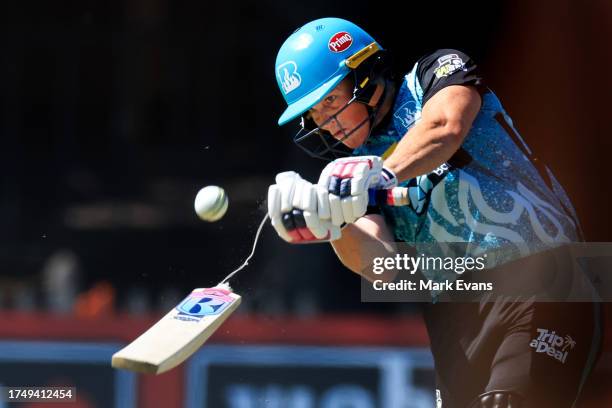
288,76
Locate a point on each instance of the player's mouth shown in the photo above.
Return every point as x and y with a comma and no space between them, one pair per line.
339,134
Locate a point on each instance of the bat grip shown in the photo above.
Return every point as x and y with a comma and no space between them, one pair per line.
396,197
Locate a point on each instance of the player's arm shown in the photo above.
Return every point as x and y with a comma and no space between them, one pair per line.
446,119
451,83
367,238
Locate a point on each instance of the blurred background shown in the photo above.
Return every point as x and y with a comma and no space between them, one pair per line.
113,114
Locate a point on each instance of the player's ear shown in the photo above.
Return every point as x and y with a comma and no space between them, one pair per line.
380,90
376,92
350,83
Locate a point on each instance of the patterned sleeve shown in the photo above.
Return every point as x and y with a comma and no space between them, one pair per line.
446,67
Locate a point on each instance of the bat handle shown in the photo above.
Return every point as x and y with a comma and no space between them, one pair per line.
396,197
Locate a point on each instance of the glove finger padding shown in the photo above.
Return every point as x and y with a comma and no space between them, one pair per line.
286,182
309,204
323,204
347,181
330,187
337,216
274,211
347,210
299,210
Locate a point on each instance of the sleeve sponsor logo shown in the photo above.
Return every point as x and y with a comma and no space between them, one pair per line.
288,76
449,64
552,344
339,42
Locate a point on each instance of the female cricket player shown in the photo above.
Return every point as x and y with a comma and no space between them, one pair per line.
443,134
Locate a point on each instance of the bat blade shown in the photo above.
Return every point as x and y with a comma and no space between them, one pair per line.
180,333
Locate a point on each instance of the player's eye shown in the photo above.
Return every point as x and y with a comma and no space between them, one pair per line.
330,99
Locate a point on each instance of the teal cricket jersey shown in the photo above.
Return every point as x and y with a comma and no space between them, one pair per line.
490,195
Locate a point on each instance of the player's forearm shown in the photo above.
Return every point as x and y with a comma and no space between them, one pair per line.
425,147
360,244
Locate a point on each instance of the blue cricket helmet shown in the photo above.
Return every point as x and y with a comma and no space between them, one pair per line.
315,58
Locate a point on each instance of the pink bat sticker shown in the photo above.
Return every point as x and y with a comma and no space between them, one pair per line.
205,302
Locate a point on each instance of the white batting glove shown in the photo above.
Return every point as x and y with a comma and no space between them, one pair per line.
348,179
299,210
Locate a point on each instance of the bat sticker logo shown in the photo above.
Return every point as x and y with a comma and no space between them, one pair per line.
205,302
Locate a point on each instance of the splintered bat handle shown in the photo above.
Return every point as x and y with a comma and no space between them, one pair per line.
396,197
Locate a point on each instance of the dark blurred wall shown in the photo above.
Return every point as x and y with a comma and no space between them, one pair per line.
113,115
550,68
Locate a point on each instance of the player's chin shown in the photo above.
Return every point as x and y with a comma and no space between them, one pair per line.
356,139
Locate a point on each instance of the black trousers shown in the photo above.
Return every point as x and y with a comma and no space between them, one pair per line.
543,351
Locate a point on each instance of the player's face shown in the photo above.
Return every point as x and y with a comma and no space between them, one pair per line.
347,120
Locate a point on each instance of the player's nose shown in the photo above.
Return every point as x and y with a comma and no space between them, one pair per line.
333,127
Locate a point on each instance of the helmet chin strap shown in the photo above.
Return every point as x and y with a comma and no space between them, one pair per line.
372,110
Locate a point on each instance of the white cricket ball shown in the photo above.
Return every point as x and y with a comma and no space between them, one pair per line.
211,203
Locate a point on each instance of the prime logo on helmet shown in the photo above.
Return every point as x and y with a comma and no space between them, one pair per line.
340,42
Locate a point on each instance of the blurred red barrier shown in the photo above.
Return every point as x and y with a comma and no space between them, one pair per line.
166,390
324,330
